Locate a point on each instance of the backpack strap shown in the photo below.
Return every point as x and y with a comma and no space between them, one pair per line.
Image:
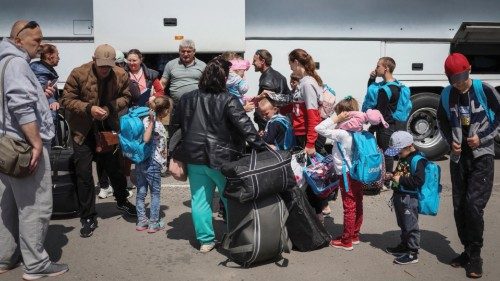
414,162
387,89
445,100
345,165
288,139
483,101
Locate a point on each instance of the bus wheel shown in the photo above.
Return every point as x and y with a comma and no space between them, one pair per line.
422,124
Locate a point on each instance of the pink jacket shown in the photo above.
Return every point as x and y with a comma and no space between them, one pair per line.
358,118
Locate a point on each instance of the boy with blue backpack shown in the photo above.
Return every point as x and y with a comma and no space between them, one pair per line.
144,141
407,180
468,117
392,99
279,131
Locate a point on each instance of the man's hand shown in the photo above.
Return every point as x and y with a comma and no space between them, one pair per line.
54,106
36,152
49,91
310,151
373,74
98,113
473,142
456,148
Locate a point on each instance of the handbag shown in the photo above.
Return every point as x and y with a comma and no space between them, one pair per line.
15,154
177,169
106,141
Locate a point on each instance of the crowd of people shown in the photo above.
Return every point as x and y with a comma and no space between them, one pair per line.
199,118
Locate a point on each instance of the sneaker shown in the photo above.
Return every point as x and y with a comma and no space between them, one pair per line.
130,194
142,225
127,207
407,258
399,250
337,243
154,227
460,261
474,268
88,227
54,269
355,240
205,248
105,192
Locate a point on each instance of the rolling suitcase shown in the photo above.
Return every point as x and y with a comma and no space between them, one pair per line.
257,231
65,199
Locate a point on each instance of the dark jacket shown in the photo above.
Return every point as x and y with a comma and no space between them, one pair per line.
409,181
273,81
45,73
83,90
214,129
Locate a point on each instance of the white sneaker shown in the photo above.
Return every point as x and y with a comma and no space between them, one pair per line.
205,248
105,192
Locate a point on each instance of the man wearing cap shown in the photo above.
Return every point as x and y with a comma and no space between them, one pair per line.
94,95
470,129
26,203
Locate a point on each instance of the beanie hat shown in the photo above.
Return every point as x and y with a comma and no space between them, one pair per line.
239,64
457,68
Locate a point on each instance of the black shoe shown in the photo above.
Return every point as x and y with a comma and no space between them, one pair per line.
54,269
399,250
460,261
127,207
407,258
474,268
88,227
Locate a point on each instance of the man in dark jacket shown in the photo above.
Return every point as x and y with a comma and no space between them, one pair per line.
465,125
271,83
94,95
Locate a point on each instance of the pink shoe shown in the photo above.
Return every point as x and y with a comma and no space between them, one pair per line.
337,243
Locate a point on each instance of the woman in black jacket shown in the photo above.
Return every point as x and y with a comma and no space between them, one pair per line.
214,129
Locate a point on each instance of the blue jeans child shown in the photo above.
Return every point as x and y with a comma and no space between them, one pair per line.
148,174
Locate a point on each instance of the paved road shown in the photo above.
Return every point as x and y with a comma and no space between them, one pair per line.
118,252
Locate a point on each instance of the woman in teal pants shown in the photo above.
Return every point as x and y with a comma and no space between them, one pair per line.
214,128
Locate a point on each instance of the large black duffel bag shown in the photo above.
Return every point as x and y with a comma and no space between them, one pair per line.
64,196
257,231
258,175
304,228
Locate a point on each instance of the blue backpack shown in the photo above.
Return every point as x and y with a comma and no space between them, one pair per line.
477,85
429,193
288,141
132,134
404,105
366,162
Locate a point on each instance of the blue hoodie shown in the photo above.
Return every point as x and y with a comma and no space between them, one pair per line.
25,99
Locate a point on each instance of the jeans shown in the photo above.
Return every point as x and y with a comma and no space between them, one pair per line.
148,174
202,182
472,182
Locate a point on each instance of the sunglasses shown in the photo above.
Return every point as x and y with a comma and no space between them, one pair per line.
30,25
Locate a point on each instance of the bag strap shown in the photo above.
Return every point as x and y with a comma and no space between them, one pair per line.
481,97
344,166
228,237
445,100
414,162
2,93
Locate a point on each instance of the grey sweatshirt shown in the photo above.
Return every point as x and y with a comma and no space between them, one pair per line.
24,98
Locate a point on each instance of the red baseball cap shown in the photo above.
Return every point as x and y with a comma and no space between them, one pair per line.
457,68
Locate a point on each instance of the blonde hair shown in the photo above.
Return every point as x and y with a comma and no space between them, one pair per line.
160,104
346,104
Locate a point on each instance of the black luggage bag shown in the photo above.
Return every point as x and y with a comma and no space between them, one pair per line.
64,196
258,175
257,231
305,230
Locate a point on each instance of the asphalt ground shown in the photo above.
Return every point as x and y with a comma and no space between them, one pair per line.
117,251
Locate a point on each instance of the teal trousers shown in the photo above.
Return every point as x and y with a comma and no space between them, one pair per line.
202,182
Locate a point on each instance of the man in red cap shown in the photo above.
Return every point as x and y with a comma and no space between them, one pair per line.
469,119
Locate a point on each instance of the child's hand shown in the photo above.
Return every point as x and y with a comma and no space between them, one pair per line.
388,176
396,177
343,116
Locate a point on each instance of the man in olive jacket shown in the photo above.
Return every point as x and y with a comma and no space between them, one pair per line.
95,95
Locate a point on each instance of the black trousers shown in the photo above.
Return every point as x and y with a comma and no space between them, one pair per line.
110,162
472,182
383,137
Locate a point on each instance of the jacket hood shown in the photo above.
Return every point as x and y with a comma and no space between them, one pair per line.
8,48
39,68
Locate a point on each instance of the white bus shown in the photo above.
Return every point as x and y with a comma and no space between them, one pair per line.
346,38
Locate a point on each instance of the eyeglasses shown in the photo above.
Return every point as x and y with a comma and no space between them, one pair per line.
30,25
